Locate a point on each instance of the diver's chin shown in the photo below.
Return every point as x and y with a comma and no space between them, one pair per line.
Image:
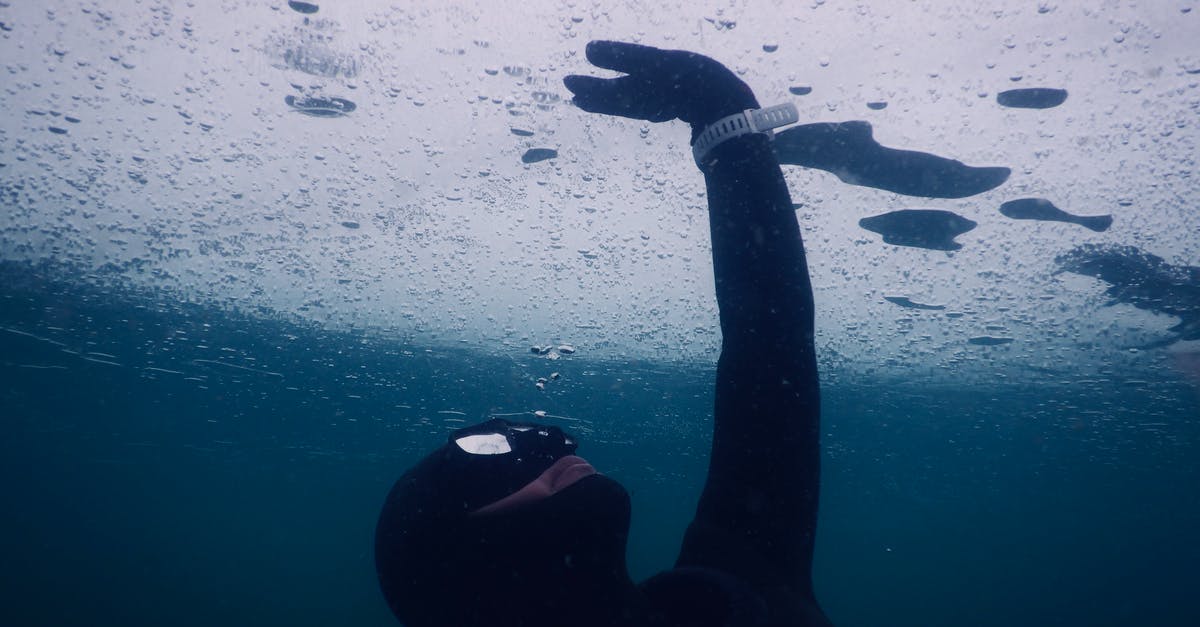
596,501
594,506
589,516
595,488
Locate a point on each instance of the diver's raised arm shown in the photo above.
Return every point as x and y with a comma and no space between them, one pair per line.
757,514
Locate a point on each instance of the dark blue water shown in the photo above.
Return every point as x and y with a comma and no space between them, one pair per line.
167,463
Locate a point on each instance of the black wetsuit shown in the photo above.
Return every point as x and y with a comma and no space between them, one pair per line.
747,555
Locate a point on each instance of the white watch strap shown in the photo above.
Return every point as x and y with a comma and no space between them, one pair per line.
744,123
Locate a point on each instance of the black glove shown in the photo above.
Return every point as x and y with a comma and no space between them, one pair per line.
660,85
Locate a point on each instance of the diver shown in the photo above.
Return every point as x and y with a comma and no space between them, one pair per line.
505,526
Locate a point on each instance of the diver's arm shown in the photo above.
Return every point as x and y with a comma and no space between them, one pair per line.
757,514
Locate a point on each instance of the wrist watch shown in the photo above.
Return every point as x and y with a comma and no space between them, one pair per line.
744,123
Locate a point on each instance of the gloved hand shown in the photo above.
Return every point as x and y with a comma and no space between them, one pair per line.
660,85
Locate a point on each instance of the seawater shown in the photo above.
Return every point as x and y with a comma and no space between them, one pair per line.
172,463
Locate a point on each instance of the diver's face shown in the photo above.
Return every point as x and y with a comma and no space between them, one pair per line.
576,513
506,526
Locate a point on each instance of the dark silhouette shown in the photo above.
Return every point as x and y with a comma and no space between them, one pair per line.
921,228
1042,209
849,151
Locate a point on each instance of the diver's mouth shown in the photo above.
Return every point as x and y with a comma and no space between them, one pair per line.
562,474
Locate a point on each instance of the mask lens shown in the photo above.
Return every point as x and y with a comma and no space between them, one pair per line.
484,444
498,437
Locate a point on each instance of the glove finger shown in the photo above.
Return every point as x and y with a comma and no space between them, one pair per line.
588,92
624,57
626,97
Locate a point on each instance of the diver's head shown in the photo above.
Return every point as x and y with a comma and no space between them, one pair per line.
503,525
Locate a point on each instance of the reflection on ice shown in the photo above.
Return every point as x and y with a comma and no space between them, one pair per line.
988,340
1145,281
1042,209
849,151
904,301
303,7
321,107
1032,98
534,155
921,228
